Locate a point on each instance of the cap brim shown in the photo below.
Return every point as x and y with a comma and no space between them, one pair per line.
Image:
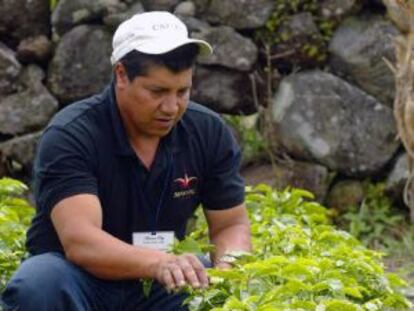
165,46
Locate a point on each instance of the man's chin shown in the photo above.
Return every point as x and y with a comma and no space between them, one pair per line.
162,133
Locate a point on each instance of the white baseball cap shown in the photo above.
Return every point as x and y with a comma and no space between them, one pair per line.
153,32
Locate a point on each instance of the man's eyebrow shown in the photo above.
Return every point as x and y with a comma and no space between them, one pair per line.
186,87
159,87
155,86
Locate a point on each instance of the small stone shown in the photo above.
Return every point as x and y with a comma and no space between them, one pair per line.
9,69
186,8
159,5
345,194
34,49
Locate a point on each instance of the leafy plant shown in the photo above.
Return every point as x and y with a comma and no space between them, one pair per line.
299,262
252,143
373,222
281,12
380,226
402,247
272,33
15,216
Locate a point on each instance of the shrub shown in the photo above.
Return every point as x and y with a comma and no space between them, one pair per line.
376,223
15,216
299,262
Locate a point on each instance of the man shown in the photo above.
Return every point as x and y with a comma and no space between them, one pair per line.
117,176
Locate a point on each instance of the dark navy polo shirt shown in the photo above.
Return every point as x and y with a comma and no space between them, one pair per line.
85,149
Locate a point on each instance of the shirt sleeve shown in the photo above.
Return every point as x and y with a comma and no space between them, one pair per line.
223,187
63,167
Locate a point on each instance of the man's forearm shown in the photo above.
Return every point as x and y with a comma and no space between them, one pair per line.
107,257
233,238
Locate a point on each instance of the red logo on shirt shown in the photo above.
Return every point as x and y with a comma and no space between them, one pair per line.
186,181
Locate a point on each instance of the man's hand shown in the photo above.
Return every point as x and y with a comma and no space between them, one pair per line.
176,271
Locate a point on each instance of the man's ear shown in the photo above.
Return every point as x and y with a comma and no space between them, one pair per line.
121,75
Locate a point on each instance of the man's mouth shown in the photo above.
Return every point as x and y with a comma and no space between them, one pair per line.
165,122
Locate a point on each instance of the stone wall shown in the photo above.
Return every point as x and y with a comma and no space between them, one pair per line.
321,78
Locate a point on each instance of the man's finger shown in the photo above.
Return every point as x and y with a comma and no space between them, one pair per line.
199,269
189,271
177,274
167,279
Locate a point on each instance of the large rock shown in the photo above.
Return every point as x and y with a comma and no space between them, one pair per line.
81,65
194,25
159,5
240,14
23,18
115,19
9,70
231,49
69,13
224,90
17,154
30,109
320,117
312,177
358,49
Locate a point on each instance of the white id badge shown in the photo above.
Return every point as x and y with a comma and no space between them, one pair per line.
160,240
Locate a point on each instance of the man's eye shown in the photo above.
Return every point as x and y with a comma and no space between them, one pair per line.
157,91
183,92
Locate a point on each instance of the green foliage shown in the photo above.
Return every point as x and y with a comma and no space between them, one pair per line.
377,224
52,4
190,245
282,10
271,34
15,216
373,222
252,143
299,262
401,248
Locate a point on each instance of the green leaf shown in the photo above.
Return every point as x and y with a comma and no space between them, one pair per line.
353,292
146,287
190,245
340,305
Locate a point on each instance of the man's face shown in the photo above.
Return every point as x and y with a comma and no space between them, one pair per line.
151,105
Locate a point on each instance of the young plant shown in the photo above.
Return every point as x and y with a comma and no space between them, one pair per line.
252,143
374,222
299,262
15,216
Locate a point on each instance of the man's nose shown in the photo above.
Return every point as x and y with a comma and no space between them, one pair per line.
170,104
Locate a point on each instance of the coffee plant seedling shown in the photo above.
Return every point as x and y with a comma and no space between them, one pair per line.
15,216
299,262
